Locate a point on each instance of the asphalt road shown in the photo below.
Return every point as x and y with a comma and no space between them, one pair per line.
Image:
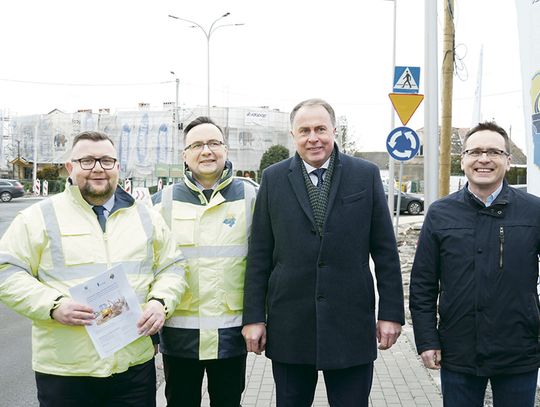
17,384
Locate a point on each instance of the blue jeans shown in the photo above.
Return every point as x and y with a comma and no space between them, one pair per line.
465,390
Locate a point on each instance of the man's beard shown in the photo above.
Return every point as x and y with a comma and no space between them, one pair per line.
89,193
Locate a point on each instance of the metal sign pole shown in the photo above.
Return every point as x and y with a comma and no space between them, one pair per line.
398,206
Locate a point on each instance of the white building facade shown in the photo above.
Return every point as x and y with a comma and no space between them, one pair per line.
149,143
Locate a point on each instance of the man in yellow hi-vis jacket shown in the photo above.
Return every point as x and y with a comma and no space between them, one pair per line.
65,240
210,213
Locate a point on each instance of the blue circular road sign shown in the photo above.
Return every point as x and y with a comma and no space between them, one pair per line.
402,143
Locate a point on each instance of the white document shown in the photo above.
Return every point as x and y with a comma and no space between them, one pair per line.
116,310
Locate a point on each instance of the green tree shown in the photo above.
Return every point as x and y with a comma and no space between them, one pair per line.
345,136
49,172
273,155
455,165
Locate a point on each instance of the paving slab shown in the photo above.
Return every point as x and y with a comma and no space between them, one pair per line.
399,379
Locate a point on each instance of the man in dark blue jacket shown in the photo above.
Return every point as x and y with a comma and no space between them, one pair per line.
318,217
477,260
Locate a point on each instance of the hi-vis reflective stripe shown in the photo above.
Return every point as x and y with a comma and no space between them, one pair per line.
14,266
173,263
166,204
250,193
149,231
8,272
214,251
224,321
53,232
9,259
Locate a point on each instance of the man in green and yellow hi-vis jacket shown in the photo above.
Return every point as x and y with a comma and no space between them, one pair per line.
210,216
65,240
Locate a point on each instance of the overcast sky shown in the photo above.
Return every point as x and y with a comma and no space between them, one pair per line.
73,54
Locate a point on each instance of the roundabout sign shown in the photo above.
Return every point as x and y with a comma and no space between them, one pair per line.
402,143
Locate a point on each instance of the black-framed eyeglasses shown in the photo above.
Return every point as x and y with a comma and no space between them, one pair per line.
88,163
490,152
213,145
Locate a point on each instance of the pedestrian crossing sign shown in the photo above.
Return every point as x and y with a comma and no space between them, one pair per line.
406,79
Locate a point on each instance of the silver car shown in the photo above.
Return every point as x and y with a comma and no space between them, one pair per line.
413,204
10,188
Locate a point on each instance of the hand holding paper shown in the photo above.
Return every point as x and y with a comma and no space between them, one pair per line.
70,312
152,318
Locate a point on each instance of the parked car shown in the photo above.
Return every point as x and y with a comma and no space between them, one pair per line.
10,188
413,204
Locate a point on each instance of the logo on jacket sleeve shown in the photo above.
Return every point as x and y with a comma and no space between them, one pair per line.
230,220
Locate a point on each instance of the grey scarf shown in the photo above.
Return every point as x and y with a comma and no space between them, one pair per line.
318,197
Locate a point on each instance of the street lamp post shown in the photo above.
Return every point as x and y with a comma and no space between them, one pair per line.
391,165
208,34
176,122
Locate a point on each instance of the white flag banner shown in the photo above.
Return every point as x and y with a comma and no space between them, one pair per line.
528,18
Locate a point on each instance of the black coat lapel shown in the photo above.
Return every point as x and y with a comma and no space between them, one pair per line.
299,187
336,178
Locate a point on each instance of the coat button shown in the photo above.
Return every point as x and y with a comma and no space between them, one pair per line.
320,297
479,250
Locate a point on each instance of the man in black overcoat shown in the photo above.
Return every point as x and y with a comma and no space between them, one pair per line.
309,297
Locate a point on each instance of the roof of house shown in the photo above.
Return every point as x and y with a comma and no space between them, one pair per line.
458,134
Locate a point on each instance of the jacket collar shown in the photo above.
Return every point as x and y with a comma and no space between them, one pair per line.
497,208
225,180
121,198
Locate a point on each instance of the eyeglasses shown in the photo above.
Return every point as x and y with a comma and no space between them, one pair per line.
490,152
213,145
88,163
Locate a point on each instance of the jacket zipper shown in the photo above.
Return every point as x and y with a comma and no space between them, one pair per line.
501,246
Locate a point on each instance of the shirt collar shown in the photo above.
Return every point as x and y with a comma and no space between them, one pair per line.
490,198
310,168
202,188
109,204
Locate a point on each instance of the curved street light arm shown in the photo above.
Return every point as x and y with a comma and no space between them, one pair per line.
225,25
195,24
211,29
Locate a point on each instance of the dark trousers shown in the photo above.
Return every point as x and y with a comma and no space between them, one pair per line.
465,390
295,385
184,377
136,387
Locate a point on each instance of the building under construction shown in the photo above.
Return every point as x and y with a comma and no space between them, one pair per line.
149,143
